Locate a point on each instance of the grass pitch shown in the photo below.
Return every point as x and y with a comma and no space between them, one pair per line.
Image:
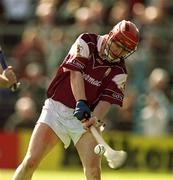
78,175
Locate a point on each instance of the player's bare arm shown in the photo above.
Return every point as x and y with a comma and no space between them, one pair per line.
77,85
98,115
101,109
82,110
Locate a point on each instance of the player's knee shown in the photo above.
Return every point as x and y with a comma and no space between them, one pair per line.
30,163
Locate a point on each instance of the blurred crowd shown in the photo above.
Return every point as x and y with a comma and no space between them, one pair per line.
36,35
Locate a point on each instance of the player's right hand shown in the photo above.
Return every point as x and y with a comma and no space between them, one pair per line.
82,110
93,121
87,123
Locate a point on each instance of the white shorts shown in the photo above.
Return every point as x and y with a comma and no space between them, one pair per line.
61,120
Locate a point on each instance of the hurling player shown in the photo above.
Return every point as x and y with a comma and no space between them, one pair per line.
91,78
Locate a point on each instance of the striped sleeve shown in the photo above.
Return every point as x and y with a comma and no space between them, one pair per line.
114,92
78,55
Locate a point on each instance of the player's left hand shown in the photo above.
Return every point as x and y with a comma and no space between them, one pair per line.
82,110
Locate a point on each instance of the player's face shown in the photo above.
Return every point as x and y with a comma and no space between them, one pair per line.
117,50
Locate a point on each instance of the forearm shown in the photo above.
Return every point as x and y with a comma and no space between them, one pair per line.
97,118
82,110
77,85
101,110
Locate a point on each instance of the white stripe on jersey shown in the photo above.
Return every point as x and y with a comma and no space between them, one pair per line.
79,48
120,80
100,41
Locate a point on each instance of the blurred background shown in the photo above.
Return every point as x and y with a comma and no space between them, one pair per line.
36,36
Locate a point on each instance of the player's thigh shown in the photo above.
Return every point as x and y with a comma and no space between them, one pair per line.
43,139
85,147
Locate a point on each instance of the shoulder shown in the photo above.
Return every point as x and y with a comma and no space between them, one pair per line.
84,45
86,42
89,38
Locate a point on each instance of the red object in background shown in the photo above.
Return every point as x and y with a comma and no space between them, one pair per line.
8,150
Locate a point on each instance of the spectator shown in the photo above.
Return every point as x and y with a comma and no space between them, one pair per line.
28,50
83,19
50,34
18,11
155,116
34,84
25,115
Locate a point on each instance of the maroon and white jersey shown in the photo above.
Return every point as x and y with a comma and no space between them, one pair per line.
102,80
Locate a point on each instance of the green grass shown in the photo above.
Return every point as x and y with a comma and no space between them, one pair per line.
78,175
